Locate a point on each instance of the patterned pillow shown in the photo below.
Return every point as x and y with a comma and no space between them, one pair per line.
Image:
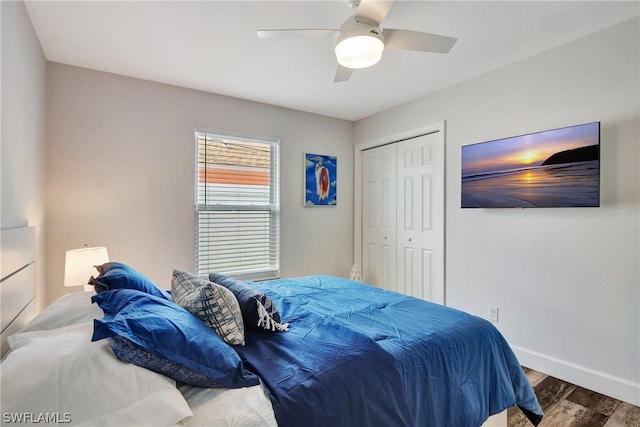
136,354
213,304
258,310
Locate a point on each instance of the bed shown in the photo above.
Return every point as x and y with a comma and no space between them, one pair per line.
313,351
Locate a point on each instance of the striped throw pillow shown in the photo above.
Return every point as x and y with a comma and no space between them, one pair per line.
215,305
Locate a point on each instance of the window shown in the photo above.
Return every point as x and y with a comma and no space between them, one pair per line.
237,206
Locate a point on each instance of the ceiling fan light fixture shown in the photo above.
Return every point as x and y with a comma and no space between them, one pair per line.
359,49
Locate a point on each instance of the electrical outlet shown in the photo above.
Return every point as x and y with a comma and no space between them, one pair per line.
493,313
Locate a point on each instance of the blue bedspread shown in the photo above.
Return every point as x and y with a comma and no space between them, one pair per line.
356,355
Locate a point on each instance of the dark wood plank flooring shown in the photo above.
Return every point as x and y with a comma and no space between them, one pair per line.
567,405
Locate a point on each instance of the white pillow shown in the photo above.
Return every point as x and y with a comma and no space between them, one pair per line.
62,372
69,309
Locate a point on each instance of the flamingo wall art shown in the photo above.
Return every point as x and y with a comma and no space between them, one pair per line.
320,185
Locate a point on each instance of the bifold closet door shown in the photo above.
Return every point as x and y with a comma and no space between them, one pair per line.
403,217
420,220
379,217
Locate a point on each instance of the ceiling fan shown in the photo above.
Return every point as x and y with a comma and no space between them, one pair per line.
360,40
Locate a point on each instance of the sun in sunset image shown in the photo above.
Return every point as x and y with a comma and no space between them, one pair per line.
528,157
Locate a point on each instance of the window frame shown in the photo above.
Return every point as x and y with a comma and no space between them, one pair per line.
273,206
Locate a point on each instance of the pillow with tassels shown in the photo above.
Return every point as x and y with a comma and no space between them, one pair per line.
258,310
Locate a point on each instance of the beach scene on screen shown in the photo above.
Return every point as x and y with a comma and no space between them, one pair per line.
555,168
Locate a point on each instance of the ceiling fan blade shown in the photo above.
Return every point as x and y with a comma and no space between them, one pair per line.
308,33
373,10
416,40
342,74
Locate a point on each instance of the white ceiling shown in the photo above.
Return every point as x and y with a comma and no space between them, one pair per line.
212,45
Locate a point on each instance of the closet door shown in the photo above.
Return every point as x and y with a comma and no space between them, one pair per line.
379,217
420,217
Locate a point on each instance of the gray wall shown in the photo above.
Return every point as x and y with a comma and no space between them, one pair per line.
23,126
566,281
120,173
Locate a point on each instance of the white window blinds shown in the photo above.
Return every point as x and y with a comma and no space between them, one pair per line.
237,206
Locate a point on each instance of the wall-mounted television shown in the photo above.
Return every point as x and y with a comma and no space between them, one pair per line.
552,168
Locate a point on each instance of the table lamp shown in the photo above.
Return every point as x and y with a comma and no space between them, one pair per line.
79,265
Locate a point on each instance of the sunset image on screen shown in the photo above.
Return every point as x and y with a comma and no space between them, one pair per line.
542,169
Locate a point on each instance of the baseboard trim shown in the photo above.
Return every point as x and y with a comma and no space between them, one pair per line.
609,385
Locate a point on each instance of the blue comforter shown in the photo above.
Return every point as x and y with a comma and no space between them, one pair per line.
356,355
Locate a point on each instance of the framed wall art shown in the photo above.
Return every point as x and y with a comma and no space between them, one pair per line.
320,180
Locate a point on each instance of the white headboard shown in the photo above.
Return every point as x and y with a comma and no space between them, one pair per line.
17,280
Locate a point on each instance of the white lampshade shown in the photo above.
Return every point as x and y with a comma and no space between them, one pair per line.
79,265
359,49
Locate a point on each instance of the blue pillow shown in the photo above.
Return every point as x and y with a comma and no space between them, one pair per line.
179,345
258,310
116,275
137,355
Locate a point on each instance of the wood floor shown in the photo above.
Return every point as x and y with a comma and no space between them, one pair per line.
567,405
